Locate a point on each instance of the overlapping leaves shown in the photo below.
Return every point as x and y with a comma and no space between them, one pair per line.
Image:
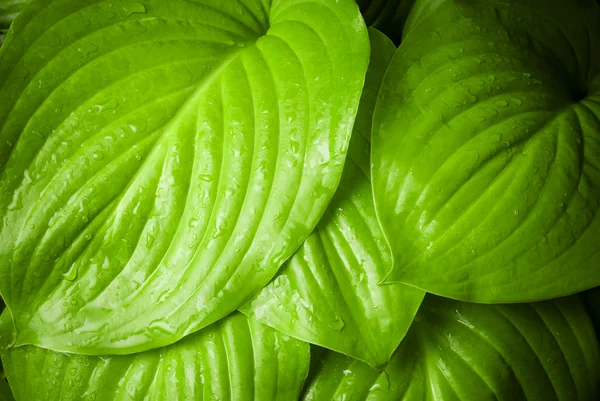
161,160
328,293
165,154
235,359
9,9
388,16
458,351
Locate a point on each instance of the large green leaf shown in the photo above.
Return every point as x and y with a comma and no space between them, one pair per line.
591,299
387,16
234,359
470,352
160,159
486,149
328,293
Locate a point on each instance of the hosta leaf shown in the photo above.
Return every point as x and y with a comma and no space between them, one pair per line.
328,293
234,359
160,160
387,16
459,351
486,150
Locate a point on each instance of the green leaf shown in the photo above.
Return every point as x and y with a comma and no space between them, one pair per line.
486,150
9,9
234,359
459,351
387,16
5,393
328,293
160,160
591,300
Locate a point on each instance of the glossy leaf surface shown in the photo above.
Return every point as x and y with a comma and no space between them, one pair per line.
328,293
160,160
470,352
234,359
486,150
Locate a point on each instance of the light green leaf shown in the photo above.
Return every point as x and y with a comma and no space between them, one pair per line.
387,16
161,160
233,360
486,150
328,293
459,351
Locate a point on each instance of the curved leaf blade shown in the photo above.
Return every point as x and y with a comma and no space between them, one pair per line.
485,150
234,359
328,293
160,160
473,352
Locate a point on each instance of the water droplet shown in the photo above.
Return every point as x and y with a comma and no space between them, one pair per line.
110,105
149,240
71,274
502,103
516,101
161,326
87,49
337,323
219,232
131,8
206,177
290,116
